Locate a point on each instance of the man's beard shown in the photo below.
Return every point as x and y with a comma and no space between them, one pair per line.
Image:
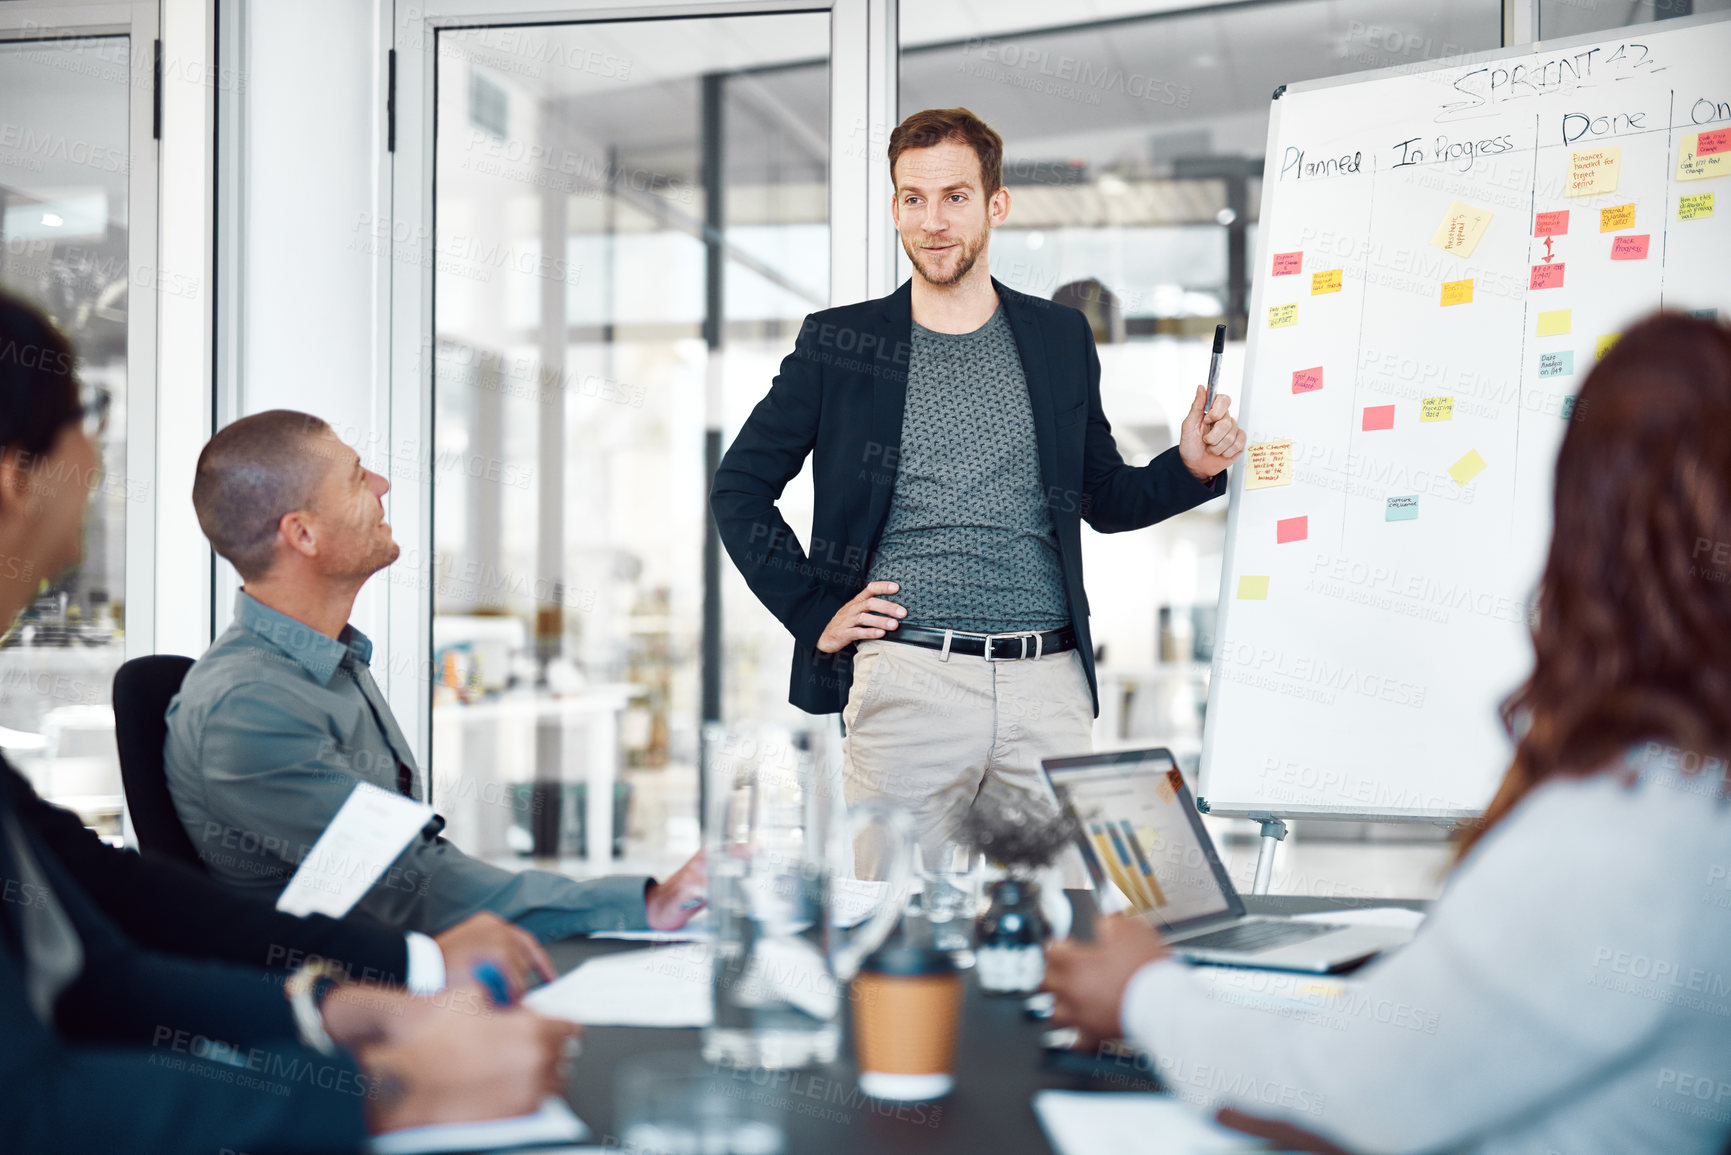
971,249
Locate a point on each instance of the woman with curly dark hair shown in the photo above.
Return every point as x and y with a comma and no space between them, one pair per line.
1571,990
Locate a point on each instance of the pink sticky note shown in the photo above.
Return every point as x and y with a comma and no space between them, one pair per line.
1551,224
1627,248
1291,529
1287,263
1547,276
1379,417
1307,380
1708,143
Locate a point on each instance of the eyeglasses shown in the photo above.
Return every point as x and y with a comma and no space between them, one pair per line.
93,403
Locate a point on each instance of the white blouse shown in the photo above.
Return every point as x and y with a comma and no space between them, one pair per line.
1570,993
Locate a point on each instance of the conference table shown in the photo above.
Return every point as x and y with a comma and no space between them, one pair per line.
999,1067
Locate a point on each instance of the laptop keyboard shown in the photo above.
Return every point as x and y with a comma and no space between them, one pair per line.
1258,935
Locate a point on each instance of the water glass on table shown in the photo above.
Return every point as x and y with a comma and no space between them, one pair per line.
674,1103
952,881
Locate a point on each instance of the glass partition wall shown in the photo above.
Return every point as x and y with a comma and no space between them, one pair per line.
65,241
631,220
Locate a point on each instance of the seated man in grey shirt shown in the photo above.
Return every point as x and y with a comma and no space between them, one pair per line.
281,718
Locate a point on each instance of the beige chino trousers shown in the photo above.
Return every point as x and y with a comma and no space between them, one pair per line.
934,734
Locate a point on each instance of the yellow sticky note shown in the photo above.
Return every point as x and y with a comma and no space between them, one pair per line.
1693,165
1467,467
1437,409
1327,281
1603,345
1461,228
1620,217
1694,208
1457,292
1554,323
1268,464
1280,316
1593,171
1252,589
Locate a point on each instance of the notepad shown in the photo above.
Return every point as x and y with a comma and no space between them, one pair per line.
371,830
1098,1123
658,987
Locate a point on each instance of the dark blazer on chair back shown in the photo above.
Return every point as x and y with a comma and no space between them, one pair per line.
839,398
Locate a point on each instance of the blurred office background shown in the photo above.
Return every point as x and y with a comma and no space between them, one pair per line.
629,221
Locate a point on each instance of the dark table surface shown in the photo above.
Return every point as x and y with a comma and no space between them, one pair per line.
999,1067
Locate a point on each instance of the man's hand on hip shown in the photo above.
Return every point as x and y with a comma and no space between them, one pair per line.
1209,442
866,617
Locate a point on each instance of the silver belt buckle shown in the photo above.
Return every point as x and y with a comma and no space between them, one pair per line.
991,638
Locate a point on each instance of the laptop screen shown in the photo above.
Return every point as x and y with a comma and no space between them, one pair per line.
1141,835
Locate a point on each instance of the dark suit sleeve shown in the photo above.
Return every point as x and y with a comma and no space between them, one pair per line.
170,907
69,1099
1120,496
769,451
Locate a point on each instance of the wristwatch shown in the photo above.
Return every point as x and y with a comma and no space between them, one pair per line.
305,990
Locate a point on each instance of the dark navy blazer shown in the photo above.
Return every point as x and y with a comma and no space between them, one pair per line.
839,399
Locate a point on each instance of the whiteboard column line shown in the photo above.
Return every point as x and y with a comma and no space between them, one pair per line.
1665,205
1526,315
1363,300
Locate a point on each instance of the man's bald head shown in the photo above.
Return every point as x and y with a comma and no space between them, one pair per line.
251,474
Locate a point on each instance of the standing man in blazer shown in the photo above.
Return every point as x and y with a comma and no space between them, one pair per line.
957,444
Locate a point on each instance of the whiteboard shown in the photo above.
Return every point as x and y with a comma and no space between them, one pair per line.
1419,324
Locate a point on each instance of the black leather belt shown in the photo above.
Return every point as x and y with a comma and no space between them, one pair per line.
992,647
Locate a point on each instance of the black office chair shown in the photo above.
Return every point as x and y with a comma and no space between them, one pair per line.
143,688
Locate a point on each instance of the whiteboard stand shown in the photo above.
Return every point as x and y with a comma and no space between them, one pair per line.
1273,832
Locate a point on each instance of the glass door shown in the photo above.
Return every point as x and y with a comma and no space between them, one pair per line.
76,213
629,220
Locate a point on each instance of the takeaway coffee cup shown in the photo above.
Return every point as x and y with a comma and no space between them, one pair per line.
907,1010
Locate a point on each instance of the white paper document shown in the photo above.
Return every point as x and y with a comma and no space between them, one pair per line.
368,834
1127,1123
661,987
1394,916
553,1123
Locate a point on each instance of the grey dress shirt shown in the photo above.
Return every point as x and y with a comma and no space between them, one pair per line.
267,738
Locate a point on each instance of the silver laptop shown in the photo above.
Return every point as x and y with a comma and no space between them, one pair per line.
1144,845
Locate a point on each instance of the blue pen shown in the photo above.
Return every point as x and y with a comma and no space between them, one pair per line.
498,989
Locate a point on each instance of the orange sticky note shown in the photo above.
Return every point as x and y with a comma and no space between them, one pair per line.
1307,380
1291,529
1457,292
1325,282
1630,248
1547,276
1616,217
1285,264
1378,417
